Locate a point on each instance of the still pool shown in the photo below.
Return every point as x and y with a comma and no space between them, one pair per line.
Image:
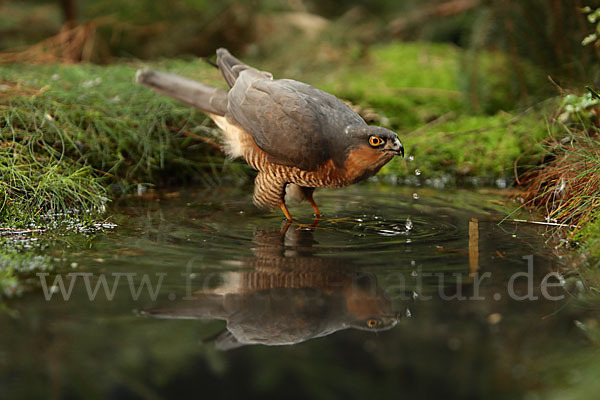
396,292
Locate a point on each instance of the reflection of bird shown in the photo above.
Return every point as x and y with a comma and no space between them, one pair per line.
288,297
297,137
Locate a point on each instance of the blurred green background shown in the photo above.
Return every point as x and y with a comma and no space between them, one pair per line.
547,33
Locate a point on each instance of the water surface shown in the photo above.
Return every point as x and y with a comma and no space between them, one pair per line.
390,293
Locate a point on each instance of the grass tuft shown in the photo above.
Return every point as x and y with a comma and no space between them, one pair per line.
73,135
566,186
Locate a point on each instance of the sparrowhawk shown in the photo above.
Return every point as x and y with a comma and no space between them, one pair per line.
296,136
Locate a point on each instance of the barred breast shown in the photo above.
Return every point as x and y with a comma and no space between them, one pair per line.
272,178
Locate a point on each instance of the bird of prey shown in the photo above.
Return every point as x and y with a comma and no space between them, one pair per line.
286,294
296,136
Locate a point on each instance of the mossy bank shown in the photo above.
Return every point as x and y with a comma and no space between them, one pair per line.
76,136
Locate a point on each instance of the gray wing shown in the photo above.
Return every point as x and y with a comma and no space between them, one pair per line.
294,123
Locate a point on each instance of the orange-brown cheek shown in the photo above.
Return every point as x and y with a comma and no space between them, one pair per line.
363,159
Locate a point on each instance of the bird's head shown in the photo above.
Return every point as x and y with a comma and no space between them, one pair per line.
375,138
370,148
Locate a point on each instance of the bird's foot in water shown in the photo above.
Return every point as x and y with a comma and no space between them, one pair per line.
300,225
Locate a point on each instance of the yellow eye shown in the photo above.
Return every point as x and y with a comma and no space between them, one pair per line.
375,141
372,323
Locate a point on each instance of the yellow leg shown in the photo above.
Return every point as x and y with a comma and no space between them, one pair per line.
314,206
285,211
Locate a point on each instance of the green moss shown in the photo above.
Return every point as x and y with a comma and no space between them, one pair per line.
467,145
410,83
589,239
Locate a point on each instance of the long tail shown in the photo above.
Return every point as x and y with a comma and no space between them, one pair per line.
204,97
229,66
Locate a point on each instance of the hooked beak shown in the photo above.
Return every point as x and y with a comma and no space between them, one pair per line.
395,147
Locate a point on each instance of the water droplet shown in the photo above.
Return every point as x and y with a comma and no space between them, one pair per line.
416,196
417,172
409,224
